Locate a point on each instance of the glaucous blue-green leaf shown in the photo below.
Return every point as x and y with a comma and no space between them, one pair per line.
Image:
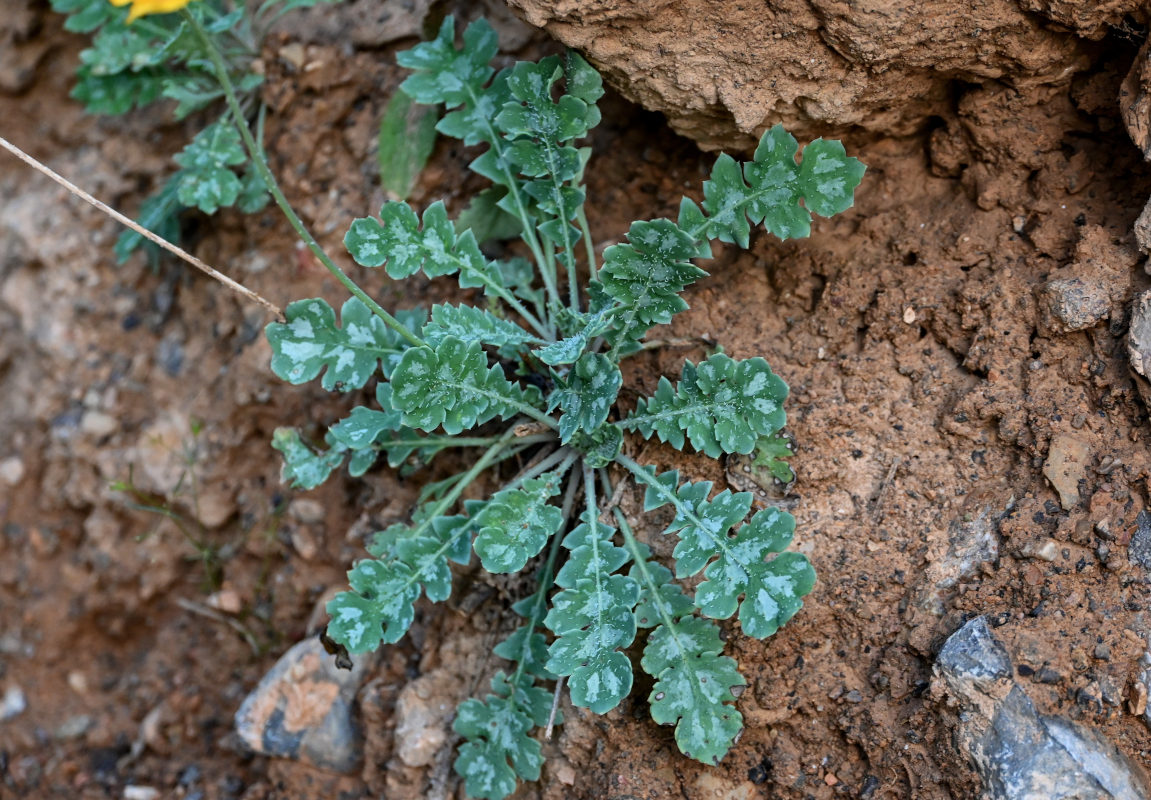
516,524
701,524
769,188
722,406
474,121
310,342
600,447
693,688
208,180
452,385
363,426
585,328
407,137
443,74
470,324
498,749
659,598
772,590
85,16
401,243
584,83
119,48
253,192
305,468
528,645
119,93
828,177
647,275
586,395
380,606
593,619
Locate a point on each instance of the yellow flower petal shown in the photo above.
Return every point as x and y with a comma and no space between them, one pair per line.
142,7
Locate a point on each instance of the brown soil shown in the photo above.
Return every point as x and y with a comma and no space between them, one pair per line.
928,385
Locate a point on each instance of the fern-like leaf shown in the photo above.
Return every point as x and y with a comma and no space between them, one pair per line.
453,386
443,74
469,324
381,605
769,188
647,274
772,590
722,406
516,524
310,341
593,619
303,467
399,241
694,683
498,748
693,688
586,395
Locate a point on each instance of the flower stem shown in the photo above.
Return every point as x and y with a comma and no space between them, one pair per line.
269,179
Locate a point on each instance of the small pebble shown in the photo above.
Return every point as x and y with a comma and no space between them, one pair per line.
11,471
140,793
307,511
74,727
98,424
78,682
13,704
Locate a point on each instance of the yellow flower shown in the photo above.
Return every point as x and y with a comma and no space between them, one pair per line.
142,7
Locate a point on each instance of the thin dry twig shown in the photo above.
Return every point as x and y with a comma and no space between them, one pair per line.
239,289
216,616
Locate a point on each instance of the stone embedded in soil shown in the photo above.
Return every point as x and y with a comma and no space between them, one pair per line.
1093,287
1139,548
1066,466
302,710
98,424
1075,304
423,711
1139,335
1143,228
1017,752
13,704
11,470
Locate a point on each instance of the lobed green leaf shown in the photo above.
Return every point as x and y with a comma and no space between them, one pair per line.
452,385
586,395
593,620
515,524
772,590
722,406
310,342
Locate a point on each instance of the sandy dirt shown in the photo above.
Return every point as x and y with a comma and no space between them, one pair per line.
931,389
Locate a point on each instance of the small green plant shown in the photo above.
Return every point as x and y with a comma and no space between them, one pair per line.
132,65
534,372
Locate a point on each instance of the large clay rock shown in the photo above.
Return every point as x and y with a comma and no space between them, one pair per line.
723,71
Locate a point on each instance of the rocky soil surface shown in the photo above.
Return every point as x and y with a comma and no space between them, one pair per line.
967,350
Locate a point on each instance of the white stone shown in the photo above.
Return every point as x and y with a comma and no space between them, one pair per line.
11,470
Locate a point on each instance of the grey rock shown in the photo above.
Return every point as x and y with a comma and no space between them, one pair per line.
1075,304
303,710
1139,548
972,540
1018,753
74,727
1143,228
1139,335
